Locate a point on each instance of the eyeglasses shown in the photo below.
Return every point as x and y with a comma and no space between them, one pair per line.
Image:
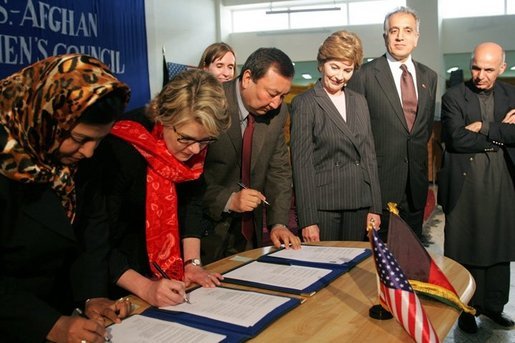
183,139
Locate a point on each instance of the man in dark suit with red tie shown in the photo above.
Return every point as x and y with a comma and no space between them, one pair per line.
400,93
239,177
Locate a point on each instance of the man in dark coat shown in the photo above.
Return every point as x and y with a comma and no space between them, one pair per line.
401,145
476,188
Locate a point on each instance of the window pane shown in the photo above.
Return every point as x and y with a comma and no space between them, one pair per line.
253,17
510,7
471,8
319,19
371,12
258,20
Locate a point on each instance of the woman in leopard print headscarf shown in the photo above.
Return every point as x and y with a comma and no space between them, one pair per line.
39,107
53,114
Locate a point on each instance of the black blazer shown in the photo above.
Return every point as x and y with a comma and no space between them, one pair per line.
48,266
334,162
460,107
401,155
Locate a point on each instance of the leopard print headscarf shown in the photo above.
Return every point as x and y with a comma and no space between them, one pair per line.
39,106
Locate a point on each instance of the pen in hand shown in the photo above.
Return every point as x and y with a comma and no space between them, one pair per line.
77,312
245,187
165,276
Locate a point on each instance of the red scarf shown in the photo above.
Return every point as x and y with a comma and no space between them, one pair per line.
163,172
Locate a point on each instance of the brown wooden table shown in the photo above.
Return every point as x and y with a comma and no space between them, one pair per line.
339,312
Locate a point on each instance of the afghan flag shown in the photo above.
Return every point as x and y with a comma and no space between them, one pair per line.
422,272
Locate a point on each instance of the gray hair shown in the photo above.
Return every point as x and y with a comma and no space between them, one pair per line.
404,10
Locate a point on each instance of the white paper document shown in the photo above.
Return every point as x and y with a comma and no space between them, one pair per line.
316,254
141,329
242,308
295,277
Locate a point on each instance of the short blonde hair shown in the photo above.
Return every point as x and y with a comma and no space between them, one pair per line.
341,46
192,96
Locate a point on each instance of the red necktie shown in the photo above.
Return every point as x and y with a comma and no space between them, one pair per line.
247,222
409,97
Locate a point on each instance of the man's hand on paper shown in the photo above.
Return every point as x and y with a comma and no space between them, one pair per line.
280,234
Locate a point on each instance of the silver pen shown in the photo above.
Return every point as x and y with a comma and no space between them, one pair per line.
245,187
165,276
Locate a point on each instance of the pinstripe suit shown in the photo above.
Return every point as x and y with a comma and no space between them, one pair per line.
334,163
401,155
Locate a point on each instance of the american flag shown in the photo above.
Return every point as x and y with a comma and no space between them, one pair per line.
172,69
398,297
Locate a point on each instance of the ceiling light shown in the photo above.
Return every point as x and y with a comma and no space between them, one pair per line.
512,67
307,76
451,69
370,59
303,10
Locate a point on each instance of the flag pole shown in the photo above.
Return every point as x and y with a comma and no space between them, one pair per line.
377,311
166,76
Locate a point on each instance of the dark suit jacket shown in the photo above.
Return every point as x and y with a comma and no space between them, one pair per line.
460,107
270,166
401,155
47,266
334,164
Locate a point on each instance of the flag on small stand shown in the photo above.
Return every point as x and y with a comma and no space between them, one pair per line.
418,266
397,295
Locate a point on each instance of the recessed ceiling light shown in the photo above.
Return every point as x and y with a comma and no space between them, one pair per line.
307,76
451,69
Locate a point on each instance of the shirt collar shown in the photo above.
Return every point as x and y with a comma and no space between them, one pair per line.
395,65
243,112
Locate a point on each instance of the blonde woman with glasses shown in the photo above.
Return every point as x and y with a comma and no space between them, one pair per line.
144,158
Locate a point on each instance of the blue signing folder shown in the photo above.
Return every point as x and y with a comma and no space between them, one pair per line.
234,332
303,271
319,256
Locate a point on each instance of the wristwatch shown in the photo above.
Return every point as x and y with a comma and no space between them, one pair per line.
194,261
